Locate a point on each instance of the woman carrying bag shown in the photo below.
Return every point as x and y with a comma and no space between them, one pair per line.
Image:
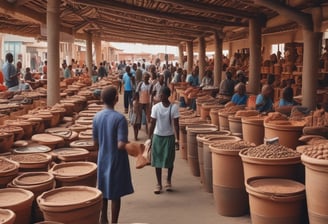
163,139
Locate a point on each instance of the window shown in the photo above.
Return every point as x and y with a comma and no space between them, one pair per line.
278,47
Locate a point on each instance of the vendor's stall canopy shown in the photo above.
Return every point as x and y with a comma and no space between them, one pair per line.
168,22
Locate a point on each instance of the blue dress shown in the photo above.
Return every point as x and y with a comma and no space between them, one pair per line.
114,177
238,99
267,103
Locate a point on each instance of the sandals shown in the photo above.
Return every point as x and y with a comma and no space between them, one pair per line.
158,189
168,187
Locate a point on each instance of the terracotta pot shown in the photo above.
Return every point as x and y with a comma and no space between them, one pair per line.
183,133
223,120
87,134
84,121
27,127
288,132
214,116
315,177
206,107
32,162
78,127
229,190
75,173
17,131
8,171
31,148
235,125
48,222
7,216
74,205
46,117
70,154
36,182
19,201
264,167
88,144
192,131
37,125
87,113
253,129
275,201
48,140
6,142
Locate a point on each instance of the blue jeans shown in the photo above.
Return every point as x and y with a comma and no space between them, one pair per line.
127,99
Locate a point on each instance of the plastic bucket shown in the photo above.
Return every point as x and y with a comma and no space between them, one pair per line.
275,201
316,180
74,205
19,201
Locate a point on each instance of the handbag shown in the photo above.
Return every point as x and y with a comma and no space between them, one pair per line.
144,159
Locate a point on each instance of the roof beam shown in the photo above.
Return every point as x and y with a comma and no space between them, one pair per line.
21,2
135,10
206,8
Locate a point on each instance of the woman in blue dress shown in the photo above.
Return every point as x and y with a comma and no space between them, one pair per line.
110,132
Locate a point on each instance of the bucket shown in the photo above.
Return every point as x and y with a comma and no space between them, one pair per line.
275,201
206,156
7,216
316,180
288,132
206,107
289,168
192,148
230,196
8,171
75,173
36,182
253,129
223,120
214,116
19,201
74,205
235,125
32,162
183,133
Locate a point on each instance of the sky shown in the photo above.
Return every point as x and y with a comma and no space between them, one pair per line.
144,48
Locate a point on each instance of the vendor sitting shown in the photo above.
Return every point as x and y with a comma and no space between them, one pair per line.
286,102
264,102
227,88
240,97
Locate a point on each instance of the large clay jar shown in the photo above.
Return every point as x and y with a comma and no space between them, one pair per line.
192,148
32,162
27,127
229,191
65,133
275,201
36,182
17,131
206,107
19,201
316,178
288,132
214,116
7,216
37,124
74,205
75,173
223,119
48,140
8,171
6,142
253,129
89,145
183,133
84,121
70,154
78,127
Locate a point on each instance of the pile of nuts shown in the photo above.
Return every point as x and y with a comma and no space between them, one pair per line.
232,109
318,118
319,151
271,151
235,145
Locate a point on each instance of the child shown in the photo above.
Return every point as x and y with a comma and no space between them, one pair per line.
136,113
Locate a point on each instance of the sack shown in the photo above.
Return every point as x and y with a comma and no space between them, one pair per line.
145,158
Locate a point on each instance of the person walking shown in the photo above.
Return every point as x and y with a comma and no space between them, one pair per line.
163,139
128,82
10,73
110,133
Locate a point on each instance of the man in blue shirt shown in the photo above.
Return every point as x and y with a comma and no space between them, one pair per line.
10,73
128,82
263,100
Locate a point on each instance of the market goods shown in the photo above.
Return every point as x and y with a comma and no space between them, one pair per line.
318,118
319,151
272,151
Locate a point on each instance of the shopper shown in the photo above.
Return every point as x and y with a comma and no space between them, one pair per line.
110,132
163,139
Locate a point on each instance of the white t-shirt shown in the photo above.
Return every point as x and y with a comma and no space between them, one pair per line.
164,127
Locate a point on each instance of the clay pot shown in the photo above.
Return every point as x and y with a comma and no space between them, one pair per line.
253,129
75,173
275,201
235,125
87,113
65,133
78,128
192,131
32,162
74,205
31,148
7,216
205,157
6,142
288,132
8,171
89,145
289,168
36,182
37,124
214,116
87,134
183,133
46,117
48,140
48,222
27,127
84,121
223,120
206,107
70,154
17,131
55,117
19,201
315,178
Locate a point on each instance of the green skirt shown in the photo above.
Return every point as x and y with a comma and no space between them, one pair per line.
163,151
